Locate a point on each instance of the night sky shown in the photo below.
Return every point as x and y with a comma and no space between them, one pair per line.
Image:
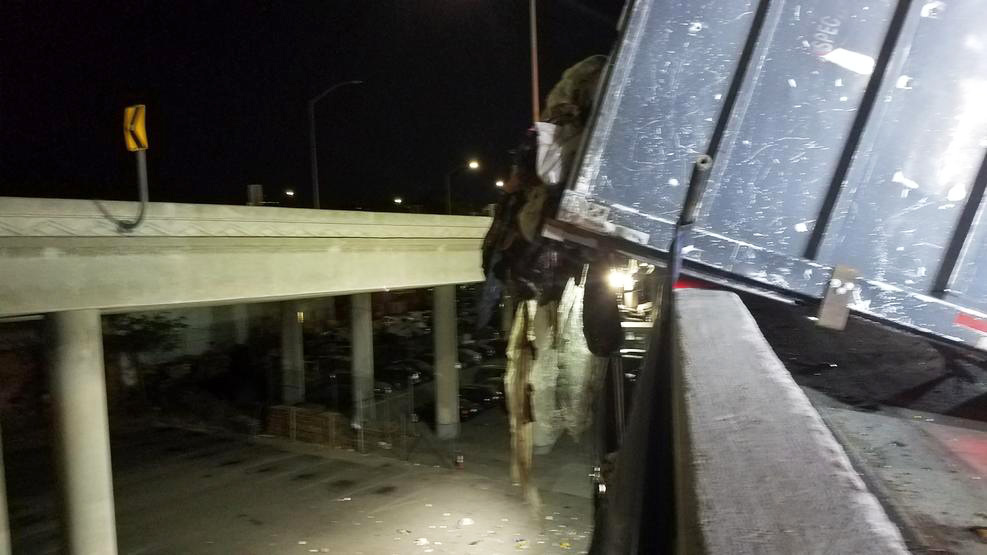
226,85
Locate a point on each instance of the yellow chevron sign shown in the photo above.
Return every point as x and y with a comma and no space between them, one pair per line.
134,132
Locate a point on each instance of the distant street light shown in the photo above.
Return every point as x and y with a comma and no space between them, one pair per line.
289,192
397,200
313,150
499,183
473,165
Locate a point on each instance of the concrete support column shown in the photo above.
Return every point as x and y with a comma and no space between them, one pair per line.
362,340
82,439
292,354
446,355
4,522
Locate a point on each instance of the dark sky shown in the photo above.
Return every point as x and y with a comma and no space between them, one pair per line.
226,85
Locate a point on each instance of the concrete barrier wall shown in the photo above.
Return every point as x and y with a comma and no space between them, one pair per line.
757,471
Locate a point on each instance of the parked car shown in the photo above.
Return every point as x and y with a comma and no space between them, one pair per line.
469,356
482,347
424,368
428,359
343,382
467,410
483,395
405,326
499,346
487,371
496,384
399,375
382,388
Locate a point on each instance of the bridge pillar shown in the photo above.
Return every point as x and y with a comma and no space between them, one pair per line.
82,439
292,354
446,355
362,344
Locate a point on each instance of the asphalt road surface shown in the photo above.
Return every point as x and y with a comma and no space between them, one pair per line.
185,492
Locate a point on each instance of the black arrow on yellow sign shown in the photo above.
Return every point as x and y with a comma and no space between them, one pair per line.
134,132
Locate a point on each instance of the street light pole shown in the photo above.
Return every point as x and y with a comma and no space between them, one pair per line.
313,154
312,147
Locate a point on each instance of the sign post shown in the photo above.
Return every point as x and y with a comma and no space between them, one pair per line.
135,137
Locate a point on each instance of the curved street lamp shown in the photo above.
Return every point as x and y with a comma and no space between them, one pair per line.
313,150
472,165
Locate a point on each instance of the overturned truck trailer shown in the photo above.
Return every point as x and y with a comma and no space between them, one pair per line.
845,134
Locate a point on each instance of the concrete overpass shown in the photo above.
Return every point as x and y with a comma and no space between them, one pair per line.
63,255
65,260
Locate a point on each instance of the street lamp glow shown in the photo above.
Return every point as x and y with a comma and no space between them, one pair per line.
398,200
289,192
474,165
499,183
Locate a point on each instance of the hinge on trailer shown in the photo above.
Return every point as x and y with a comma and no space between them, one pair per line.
835,310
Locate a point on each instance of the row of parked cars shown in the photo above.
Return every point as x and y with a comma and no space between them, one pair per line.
404,360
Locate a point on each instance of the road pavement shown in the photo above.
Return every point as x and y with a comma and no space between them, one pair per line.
183,492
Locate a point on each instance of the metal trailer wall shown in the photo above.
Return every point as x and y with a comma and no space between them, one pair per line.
843,132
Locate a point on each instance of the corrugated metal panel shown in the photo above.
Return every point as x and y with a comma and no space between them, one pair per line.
843,132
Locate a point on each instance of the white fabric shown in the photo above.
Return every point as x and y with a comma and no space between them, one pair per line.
544,377
548,162
579,374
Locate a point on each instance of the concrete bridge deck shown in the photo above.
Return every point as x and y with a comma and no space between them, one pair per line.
62,254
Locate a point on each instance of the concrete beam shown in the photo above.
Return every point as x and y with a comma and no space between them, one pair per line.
757,469
446,358
58,255
82,438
